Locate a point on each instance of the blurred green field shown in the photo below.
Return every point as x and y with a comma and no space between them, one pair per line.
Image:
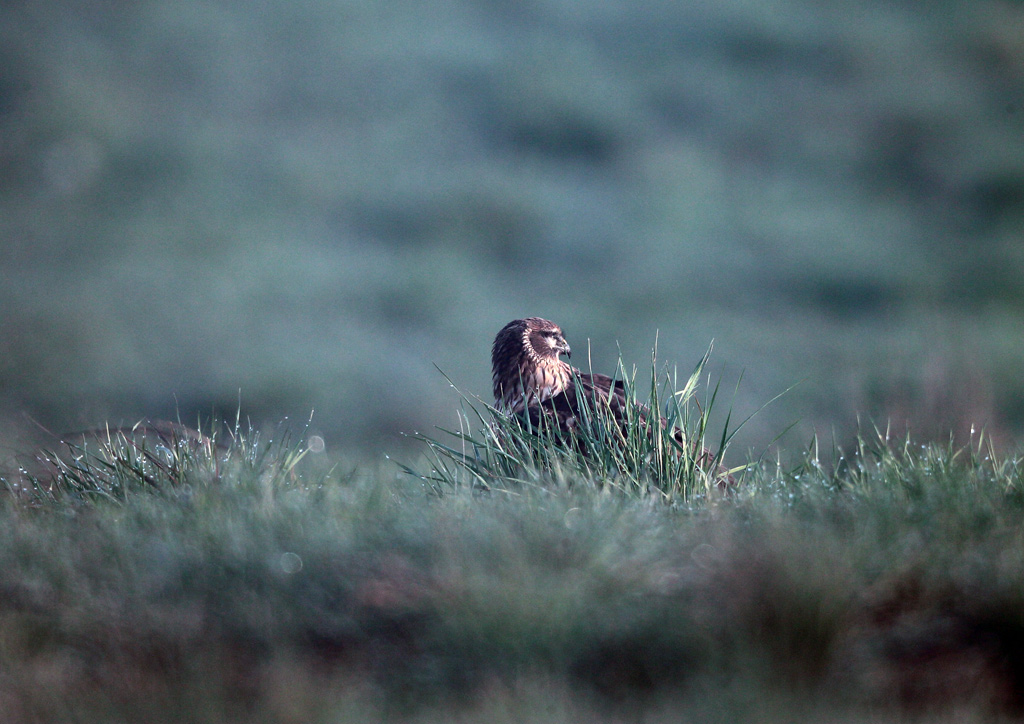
306,206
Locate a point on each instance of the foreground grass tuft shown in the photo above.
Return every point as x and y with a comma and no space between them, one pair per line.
635,456
248,582
112,464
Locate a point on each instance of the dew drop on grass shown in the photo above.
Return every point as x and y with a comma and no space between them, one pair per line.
165,453
290,563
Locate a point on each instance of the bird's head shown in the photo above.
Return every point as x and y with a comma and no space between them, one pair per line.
526,353
531,338
545,339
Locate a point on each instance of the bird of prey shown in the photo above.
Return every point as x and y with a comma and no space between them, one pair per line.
526,371
529,377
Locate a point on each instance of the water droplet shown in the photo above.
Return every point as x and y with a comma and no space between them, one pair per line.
290,563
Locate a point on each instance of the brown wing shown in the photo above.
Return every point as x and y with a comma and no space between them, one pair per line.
564,410
597,389
593,389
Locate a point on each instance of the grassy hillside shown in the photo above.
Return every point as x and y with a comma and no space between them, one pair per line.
239,579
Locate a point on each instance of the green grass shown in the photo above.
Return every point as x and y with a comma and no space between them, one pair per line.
676,461
245,580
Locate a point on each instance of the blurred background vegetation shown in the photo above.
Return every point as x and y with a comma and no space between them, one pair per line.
307,205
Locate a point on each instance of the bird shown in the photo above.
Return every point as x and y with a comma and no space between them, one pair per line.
526,371
529,377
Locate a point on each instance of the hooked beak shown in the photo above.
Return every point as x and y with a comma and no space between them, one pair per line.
565,349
